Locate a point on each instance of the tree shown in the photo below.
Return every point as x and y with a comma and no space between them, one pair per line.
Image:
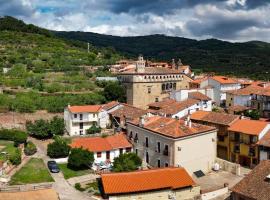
80,159
126,162
93,129
57,126
58,149
39,129
30,148
253,114
16,157
114,91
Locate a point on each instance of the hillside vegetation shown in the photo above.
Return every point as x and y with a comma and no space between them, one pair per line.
248,59
47,72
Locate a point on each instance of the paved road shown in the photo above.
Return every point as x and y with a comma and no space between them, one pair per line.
62,187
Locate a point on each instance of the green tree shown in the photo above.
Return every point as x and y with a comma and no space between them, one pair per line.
80,159
57,126
39,129
114,91
58,149
93,129
253,114
126,162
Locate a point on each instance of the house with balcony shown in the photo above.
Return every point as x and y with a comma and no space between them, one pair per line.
163,184
105,149
78,119
222,122
264,147
163,142
243,137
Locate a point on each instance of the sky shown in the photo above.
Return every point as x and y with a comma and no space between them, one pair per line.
232,20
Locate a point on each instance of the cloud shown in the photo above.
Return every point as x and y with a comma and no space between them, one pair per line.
234,20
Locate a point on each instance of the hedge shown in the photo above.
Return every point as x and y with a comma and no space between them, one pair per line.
30,148
17,136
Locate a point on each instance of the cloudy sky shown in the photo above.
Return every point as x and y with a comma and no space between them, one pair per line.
234,20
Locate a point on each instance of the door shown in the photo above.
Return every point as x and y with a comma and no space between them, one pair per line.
108,155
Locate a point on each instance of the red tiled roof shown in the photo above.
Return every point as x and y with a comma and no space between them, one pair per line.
214,117
254,185
110,105
129,112
224,79
173,128
265,140
198,96
87,108
99,144
146,180
248,126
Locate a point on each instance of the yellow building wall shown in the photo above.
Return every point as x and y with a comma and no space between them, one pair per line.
229,99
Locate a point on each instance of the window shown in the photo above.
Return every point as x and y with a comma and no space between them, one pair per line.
128,149
75,115
158,147
146,142
149,90
230,104
81,116
166,165
166,150
163,87
136,151
221,138
158,163
130,135
136,138
81,132
81,125
98,154
147,157
121,151
156,99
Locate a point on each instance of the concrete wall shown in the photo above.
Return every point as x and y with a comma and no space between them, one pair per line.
196,152
229,166
181,194
215,194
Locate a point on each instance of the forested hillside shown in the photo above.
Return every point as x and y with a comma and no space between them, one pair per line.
250,59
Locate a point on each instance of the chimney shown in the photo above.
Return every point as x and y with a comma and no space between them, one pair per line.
189,123
142,121
186,122
173,64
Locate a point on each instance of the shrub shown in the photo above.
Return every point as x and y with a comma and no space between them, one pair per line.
93,129
126,162
30,149
80,159
16,157
58,149
79,187
39,129
57,126
17,136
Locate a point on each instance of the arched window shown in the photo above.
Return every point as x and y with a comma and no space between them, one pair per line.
170,85
167,86
163,87
174,86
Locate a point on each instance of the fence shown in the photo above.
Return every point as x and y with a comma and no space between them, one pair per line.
23,188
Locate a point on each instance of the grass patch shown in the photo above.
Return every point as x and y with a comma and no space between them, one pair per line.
69,173
34,171
8,147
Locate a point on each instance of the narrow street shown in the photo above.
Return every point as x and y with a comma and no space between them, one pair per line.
62,187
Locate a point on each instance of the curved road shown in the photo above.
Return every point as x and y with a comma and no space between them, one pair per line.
62,187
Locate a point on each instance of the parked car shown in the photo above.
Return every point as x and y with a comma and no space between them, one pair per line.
53,167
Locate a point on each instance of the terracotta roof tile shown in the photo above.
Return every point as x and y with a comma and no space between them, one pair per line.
265,140
129,112
198,96
254,185
224,80
98,144
172,127
214,117
248,126
110,105
87,108
146,180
